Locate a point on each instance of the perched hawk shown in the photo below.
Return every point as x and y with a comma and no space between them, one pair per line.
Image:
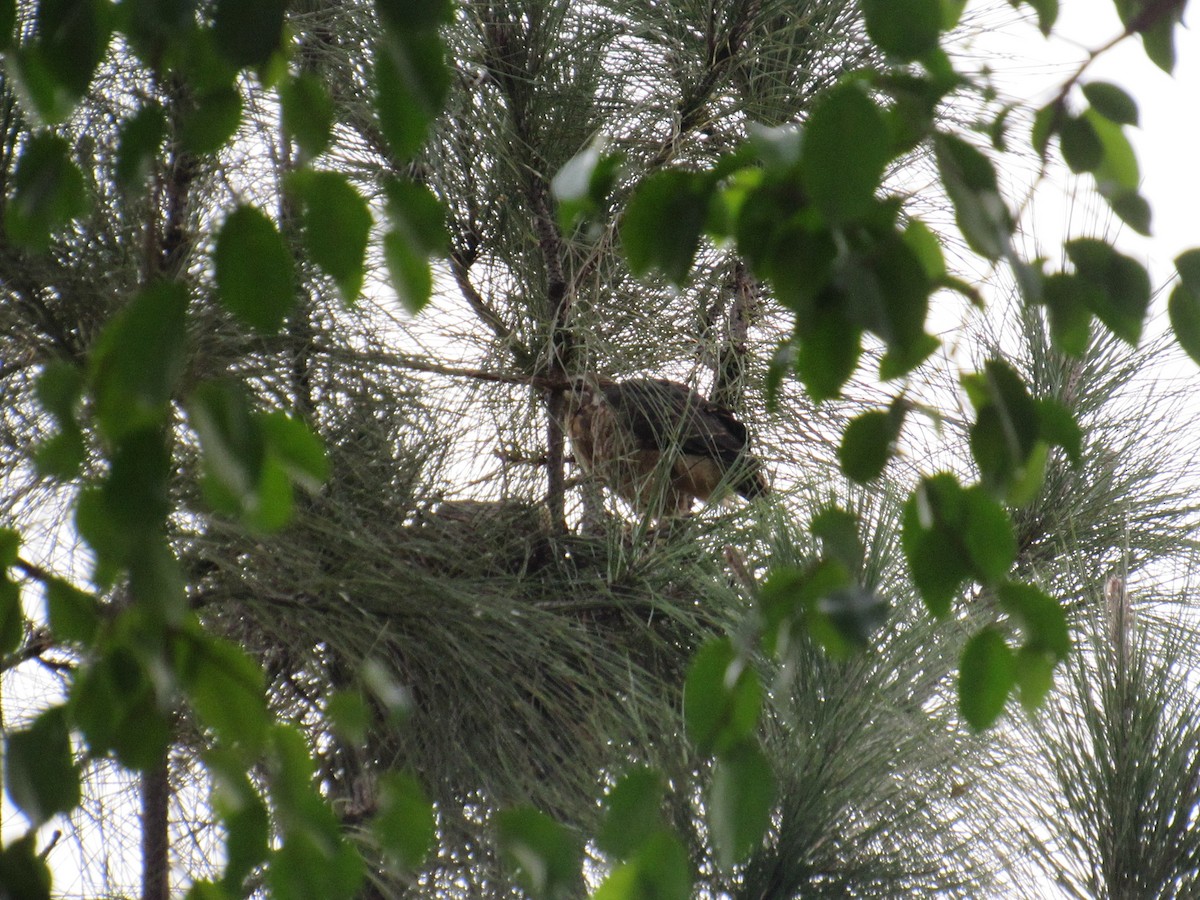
659,444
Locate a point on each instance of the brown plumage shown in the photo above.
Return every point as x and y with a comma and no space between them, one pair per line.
659,444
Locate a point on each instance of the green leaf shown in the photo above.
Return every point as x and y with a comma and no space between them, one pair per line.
138,360
418,231
970,179
661,870
1058,426
254,270
404,825
411,80
1184,305
1132,208
39,767
139,141
987,674
247,34
1069,309
307,113
722,697
216,118
844,153
988,535
662,223
1035,676
633,812
315,859
1118,170
48,192
113,702
932,539
1047,13
740,801
242,813
413,14
546,859
70,39
73,614
1005,432
336,224
844,618
837,530
1042,617
1081,145
1112,102
907,29
1120,286
298,450
582,185
23,871
225,687
830,346
8,22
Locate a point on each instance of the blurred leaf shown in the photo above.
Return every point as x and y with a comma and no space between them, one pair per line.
234,449
336,224
1006,429
1035,676
721,697
307,113
987,674
73,614
8,22
411,80
844,152
225,687
1184,305
1120,286
418,231
1047,13
216,118
1132,208
242,813
1112,102
404,824
413,14
1042,617
830,346
1070,314
1059,427
39,767
48,192
1118,170
633,812
907,29
868,441
661,870
582,185
844,619
740,801
545,857
139,141
315,858
662,223
951,533
24,874
248,33
70,39
837,530
349,716
254,270
970,179
138,359
114,704
1081,147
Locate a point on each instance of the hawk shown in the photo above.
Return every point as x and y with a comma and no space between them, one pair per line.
659,444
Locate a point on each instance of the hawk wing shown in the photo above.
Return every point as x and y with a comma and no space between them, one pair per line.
705,443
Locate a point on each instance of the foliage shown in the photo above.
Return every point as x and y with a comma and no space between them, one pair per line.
200,422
